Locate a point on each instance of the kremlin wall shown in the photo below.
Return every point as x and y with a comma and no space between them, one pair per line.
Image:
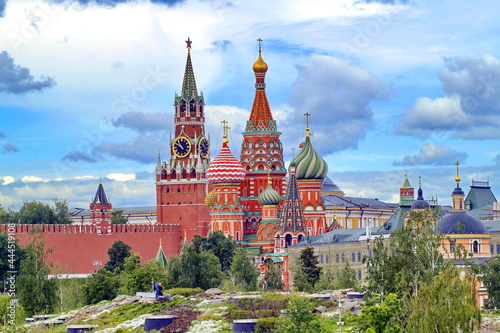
269,210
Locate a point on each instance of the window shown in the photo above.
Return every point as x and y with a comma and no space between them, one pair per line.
359,256
491,248
476,247
343,257
359,274
321,259
452,246
327,258
337,258
353,257
498,249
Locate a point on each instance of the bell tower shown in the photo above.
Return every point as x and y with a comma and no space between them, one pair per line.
181,184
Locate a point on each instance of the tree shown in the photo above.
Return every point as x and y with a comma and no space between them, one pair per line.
491,280
36,292
118,252
10,255
244,272
273,279
380,316
221,246
139,277
300,319
194,269
308,272
117,217
69,290
35,212
61,211
102,285
446,304
410,257
346,277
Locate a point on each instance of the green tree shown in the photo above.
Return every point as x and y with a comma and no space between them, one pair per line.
102,285
300,319
273,279
69,290
346,277
308,272
10,255
139,277
61,211
411,256
221,246
446,304
36,292
118,252
194,269
381,317
117,217
244,272
491,280
36,212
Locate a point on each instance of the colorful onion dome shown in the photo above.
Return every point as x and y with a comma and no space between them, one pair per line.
260,66
210,199
269,196
460,223
225,168
309,164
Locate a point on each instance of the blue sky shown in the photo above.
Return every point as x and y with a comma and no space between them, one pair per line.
393,87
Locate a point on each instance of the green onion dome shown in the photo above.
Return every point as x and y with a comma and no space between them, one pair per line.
309,164
269,196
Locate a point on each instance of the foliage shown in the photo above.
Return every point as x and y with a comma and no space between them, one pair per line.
491,280
221,246
118,252
446,304
36,212
242,272
102,285
69,290
266,324
380,317
346,278
273,279
183,291
9,312
10,255
36,292
300,319
308,271
139,277
410,257
117,217
194,269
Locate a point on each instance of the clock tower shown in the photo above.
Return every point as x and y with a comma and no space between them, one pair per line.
181,184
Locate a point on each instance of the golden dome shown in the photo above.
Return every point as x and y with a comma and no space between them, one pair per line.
260,66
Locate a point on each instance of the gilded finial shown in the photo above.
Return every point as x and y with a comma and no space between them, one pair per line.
419,181
457,178
100,180
160,242
225,128
185,235
406,176
307,114
269,175
260,66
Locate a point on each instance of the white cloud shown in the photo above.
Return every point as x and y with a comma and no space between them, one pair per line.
431,154
34,179
6,180
121,177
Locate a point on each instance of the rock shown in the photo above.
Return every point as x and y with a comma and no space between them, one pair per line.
320,309
164,298
212,292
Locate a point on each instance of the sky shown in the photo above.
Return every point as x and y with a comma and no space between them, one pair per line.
393,88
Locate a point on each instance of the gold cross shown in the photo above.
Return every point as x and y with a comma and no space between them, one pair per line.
260,41
225,128
307,114
293,153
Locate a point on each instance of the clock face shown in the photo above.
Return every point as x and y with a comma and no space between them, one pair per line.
204,147
181,147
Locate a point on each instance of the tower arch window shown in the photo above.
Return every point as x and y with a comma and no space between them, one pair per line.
452,246
288,240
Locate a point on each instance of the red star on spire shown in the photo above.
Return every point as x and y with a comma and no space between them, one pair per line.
188,42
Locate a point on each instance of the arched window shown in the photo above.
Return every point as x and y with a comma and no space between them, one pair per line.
452,246
288,240
300,238
475,247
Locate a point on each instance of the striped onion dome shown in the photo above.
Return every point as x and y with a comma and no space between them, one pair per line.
309,164
225,168
269,196
210,199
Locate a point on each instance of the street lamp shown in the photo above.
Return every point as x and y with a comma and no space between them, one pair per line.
340,323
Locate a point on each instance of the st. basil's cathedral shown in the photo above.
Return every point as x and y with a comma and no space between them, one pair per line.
250,199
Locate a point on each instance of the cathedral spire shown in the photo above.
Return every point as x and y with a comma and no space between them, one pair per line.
261,118
189,84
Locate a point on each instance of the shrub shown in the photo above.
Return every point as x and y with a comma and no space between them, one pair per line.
266,324
183,291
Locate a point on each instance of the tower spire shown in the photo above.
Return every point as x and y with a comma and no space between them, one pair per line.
189,84
457,178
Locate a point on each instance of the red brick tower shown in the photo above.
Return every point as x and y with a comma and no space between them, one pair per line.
226,174
181,184
310,172
261,151
100,212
